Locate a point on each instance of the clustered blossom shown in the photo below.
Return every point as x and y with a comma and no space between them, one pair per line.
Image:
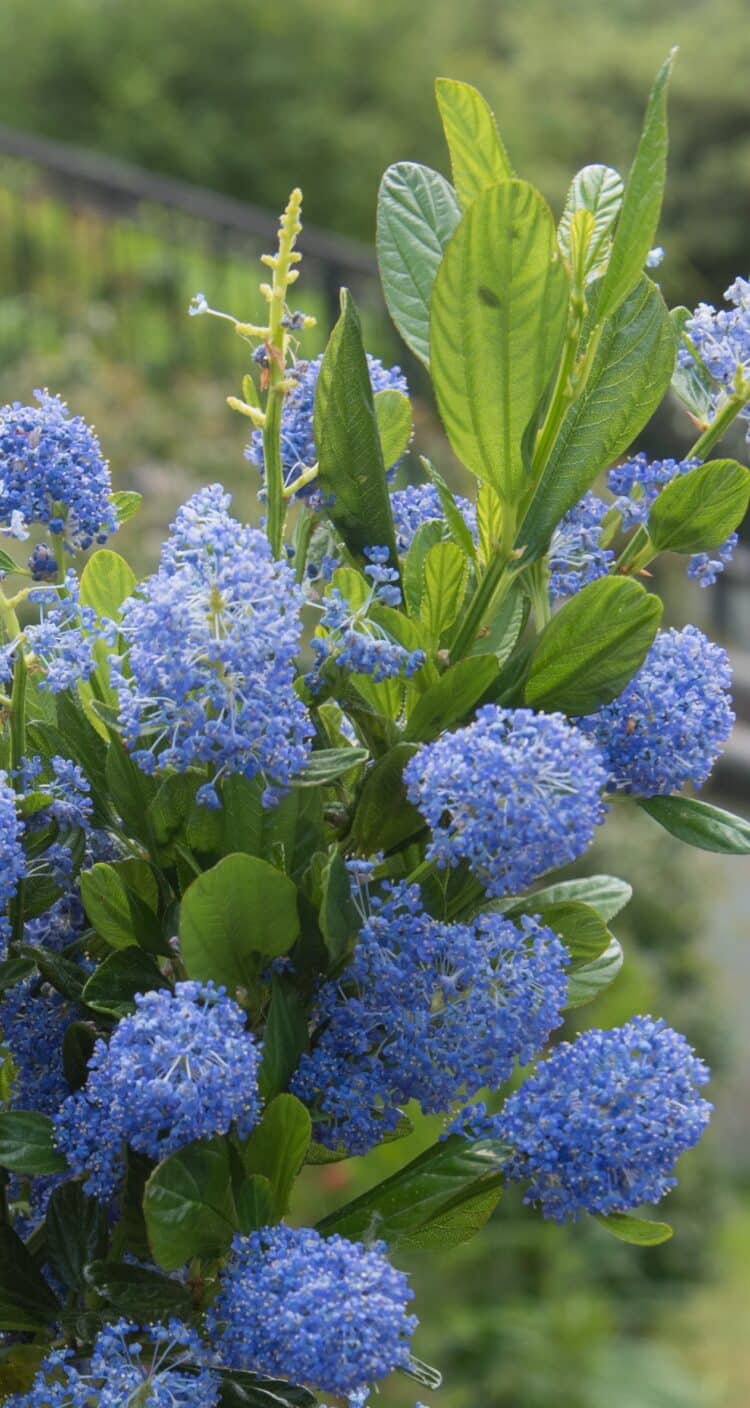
33,1022
52,472
637,484
298,450
317,1310
155,1366
12,858
600,1124
64,638
420,503
576,555
668,726
355,640
64,803
513,794
722,342
426,1011
212,637
182,1067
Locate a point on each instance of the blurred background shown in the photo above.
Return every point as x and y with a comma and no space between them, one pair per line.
145,150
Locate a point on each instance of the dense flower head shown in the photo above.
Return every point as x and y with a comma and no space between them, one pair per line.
63,809
420,503
33,1022
182,1067
600,1124
427,1011
12,858
668,726
576,554
64,638
316,1310
212,637
154,1366
722,341
52,472
513,794
298,450
638,482
358,641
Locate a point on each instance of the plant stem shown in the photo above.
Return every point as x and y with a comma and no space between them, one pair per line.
283,275
718,427
491,591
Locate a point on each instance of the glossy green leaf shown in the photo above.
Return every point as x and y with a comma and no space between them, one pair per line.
26,1301
417,214
427,536
255,1204
629,377
329,764
700,824
581,929
699,510
598,189
118,913
79,1040
641,206
604,893
126,504
478,157
347,440
384,817
106,582
138,1293
337,914
498,318
593,646
113,985
451,698
77,1233
188,1205
285,1037
638,1230
443,588
241,1389
131,790
27,1144
587,981
234,917
395,425
277,1148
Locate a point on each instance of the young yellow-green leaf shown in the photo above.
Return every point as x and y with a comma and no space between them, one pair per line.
417,214
444,584
478,156
699,510
700,824
126,503
593,646
106,582
597,189
489,522
235,916
457,525
498,317
393,415
641,206
640,1231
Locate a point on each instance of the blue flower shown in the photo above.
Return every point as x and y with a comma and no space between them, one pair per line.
356,641
182,1067
155,1366
638,483
426,1011
33,1022
576,555
722,341
420,503
52,472
298,450
668,725
64,639
513,795
212,639
600,1124
316,1310
12,859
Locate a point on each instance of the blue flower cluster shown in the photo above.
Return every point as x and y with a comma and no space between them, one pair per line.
33,1022
355,641
64,638
317,1310
722,341
513,794
638,482
60,791
182,1067
154,1366
420,503
298,450
208,678
576,555
668,726
426,1011
600,1124
12,858
52,472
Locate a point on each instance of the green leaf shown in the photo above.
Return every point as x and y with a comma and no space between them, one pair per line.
106,582
587,981
241,1389
77,1233
14,970
638,1230
27,1144
698,510
384,817
498,318
78,1044
348,443
7,565
337,914
641,206
255,1204
417,214
443,1194
81,742
132,792
451,698
581,929
115,911
277,1148
604,893
236,826
393,415
700,824
26,1301
478,157
594,645
285,1038
113,985
19,1365
457,525
126,504
138,1293
328,764
598,189
426,537
235,916
694,383
188,1205
443,588
630,375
